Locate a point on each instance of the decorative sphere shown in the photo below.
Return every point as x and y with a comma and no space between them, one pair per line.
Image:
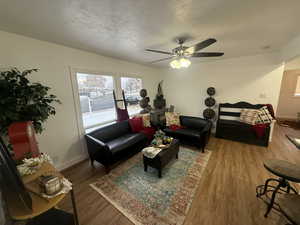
143,93
144,102
211,91
209,102
209,113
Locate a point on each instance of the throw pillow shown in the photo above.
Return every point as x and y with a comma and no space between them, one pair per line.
249,116
172,118
136,124
145,118
264,116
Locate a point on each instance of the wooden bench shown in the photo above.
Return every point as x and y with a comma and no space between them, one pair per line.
230,127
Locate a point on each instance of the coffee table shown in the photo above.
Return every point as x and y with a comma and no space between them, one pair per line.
163,157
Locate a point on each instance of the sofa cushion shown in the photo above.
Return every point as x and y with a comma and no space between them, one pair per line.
117,145
184,132
112,131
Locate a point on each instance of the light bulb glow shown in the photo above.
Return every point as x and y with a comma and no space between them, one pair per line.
175,64
185,62
180,63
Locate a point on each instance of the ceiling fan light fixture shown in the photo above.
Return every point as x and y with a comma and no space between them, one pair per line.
185,62
175,64
180,63
182,53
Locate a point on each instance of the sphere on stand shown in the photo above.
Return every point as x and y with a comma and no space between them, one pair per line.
211,91
209,102
209,114
144,102
143,93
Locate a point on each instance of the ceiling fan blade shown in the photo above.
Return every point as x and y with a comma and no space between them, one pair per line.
155,61
207,54
158,51
200,45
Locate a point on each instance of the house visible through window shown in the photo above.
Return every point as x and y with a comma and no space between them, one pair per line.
132,87
96,99
297,91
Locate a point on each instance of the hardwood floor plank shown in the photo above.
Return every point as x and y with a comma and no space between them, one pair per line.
226,194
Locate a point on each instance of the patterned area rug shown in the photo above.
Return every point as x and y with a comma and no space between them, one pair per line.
146,199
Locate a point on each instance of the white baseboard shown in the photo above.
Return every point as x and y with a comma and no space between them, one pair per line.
72,162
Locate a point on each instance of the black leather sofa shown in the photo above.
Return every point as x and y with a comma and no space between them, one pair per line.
108,145
196,131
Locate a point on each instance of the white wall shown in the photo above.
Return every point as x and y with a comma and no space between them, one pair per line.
255,79
61,136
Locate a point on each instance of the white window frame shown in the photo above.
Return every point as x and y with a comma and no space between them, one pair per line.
117,87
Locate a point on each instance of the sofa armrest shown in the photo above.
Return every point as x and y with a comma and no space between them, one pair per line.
205,133
207,127
98,150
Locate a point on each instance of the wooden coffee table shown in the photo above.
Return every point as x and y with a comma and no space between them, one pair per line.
162,158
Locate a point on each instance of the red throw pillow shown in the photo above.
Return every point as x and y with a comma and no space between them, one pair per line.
175,127
136,124
149,132
260,129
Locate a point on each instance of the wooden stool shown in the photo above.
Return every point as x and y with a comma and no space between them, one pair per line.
286,172
290,207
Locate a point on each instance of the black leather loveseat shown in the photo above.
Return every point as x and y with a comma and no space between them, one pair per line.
195,131
109,144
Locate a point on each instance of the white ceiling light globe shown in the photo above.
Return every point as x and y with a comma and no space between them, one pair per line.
175,64
185,62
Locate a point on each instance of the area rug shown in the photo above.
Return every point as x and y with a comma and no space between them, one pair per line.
294,140
146,199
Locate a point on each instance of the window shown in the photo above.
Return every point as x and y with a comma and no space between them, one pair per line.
132,87
297,91
96,99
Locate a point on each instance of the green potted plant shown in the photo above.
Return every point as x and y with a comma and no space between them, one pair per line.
22,100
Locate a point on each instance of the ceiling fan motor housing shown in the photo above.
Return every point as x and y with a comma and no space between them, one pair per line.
180,51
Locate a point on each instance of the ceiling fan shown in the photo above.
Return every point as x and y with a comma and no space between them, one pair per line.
181,53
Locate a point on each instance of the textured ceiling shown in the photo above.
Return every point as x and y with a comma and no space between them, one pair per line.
124,28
